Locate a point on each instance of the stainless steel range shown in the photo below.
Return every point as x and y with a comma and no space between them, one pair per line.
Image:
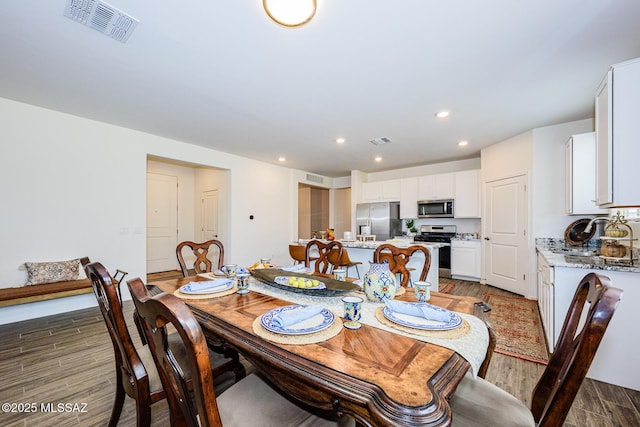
439,234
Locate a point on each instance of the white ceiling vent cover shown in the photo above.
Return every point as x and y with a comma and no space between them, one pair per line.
101,17
315,178
380,141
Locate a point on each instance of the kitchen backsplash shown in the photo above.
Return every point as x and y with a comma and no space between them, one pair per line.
463,225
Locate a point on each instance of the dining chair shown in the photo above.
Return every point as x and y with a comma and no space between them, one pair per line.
249,402
343,260
298,253
477,402
322,264
398,259
202,263
136,374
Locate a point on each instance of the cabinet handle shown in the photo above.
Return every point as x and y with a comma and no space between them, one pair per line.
486,238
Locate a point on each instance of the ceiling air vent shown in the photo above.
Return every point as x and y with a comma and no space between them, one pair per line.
101,17
380,141
315,178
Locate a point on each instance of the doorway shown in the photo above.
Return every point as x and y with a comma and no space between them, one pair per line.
505,230
209,218
162,222
185,201
313,210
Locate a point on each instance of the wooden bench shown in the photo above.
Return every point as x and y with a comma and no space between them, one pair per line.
45,291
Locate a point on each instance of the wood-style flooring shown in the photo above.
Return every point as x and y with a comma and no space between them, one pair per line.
68,359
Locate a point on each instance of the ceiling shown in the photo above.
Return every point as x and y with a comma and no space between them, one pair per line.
220,74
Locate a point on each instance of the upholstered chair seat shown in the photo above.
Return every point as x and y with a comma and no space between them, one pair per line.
477,402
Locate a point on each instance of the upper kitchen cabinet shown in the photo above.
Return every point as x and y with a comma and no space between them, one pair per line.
436,187
617,105
409,198
381,191
467,194
580,180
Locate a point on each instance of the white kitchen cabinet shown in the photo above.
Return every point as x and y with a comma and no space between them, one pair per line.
409,198
617,104
467,194
436,187
465,259
381,191
616,359
580,179
546,300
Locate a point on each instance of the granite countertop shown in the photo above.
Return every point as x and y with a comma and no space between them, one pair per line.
374,244
559,254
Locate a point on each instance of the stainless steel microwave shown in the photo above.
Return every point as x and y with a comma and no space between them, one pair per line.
435,208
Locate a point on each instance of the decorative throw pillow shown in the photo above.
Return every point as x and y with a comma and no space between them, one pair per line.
50,272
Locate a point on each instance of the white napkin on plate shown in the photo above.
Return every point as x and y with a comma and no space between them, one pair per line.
209,285
291,317
423,311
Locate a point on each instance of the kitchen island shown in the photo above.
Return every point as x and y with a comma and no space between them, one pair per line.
363,252
560,268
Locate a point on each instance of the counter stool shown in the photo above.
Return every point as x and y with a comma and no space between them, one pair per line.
344,261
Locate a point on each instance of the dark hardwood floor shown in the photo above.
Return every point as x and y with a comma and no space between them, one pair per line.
68,359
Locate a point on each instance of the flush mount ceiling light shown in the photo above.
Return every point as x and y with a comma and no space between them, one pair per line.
377,159
442,114
340,140
282,159
290,13
463,143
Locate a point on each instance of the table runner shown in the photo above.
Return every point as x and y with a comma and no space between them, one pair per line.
472,346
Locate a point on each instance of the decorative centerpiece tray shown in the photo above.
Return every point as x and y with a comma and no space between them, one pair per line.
332,287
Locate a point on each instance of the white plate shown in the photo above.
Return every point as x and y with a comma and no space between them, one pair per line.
420,322
316,323
284,280
186,289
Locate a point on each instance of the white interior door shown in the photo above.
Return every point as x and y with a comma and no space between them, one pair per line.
505,231
209,226
162,222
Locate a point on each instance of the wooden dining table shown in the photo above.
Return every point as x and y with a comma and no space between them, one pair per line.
378,377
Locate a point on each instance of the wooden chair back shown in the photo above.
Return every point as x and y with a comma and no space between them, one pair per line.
131,374
202,263
322,264
186,409
298,253
569,364
399,257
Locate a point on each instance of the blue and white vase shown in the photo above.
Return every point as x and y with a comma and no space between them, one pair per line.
379,282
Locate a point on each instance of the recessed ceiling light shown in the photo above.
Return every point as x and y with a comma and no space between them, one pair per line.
442,114
378,159
463,143
281,159
340,140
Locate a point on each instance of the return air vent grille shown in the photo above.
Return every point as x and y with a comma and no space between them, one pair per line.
380,141
101,17
315,178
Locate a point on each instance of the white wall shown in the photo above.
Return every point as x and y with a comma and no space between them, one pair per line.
538,153
548,186
74,187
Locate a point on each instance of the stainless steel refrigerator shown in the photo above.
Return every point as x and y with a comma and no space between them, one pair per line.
383,219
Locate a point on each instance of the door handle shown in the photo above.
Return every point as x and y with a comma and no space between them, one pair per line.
486,238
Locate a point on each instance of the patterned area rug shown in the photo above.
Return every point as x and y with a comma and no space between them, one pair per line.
518,328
